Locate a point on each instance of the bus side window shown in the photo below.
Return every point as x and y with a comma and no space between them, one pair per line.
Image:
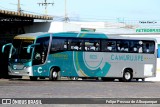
59,45
134,46
135,49
140,46
95,47
122,46
75,44
111,46
92,45
108,45
65,45
151,48
148,47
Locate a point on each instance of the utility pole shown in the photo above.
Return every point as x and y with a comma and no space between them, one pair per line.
66,19
45,3
18,7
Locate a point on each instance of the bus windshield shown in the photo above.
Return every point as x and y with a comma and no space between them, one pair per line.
19,50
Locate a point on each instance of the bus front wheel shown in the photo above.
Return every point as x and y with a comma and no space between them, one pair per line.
53,74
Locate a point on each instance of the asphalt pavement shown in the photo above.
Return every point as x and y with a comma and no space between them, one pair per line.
24,88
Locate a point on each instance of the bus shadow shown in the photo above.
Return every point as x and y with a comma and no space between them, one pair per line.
85,80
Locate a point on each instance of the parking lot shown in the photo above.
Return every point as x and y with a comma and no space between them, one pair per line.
24,88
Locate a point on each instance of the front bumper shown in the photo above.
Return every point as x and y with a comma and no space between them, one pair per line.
26,71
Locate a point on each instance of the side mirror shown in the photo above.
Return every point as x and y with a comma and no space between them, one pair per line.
3,47
30,46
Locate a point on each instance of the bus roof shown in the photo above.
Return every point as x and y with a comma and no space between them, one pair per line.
80,34
84,35
129,36
30,35
104,36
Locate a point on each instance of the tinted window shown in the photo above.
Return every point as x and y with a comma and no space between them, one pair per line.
122,46
109,45
92,45
75,44
59,45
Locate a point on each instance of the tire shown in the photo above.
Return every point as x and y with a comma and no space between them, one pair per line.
127,76
33,78
54,74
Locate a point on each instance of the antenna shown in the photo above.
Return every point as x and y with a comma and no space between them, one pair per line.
45,4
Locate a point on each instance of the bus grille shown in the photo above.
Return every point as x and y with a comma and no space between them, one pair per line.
18,66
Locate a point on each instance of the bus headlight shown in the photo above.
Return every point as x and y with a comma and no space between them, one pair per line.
14,66
26,67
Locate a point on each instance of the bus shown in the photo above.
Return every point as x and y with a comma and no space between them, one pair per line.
4,57
82,55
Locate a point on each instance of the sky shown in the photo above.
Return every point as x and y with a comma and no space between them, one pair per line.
91,10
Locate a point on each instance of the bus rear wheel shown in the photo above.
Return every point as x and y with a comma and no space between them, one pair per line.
53,74
127,75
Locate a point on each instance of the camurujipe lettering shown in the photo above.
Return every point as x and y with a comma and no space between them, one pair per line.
127,57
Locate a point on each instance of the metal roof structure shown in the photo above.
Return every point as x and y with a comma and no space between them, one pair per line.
12,23
6,15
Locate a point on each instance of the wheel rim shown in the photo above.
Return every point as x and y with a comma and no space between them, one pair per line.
127,75
54,74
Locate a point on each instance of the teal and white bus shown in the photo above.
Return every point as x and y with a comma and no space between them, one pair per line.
82,55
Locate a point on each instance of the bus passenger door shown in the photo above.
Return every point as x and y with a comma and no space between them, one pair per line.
40,57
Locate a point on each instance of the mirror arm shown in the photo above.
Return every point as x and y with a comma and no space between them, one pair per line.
9,44
32,45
